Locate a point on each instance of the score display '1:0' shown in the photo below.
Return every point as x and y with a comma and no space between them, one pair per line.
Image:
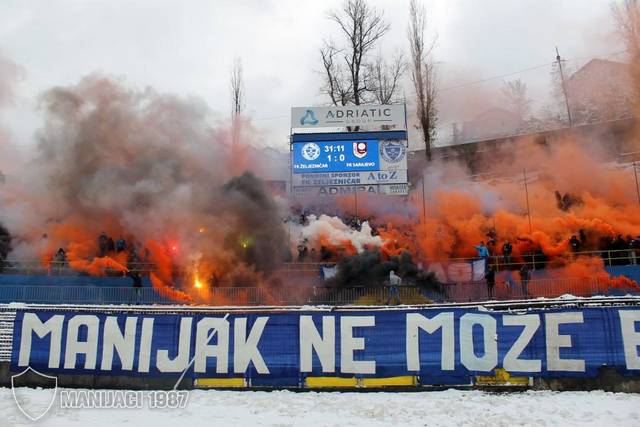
335,149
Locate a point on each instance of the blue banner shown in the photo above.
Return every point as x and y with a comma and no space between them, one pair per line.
441,346
336,156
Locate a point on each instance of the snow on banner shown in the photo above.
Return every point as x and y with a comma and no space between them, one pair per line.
443,346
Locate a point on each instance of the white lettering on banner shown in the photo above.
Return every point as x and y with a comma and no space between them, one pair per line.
63,340
324,346
144,357
74,346
181,360
219,350
123,344
630,337
31,323
415,323
512,361
555,342
468,356
247,351
349,344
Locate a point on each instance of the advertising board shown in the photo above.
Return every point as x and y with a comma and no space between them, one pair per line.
390,116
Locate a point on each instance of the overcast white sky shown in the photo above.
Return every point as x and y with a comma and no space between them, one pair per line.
187,47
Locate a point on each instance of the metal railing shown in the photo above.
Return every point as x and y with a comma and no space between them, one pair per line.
56,268
83,295
310,295
513,262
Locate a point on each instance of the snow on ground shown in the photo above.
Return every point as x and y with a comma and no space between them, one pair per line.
284,408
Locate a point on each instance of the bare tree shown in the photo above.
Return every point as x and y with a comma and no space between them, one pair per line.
237,101
515,92
384,78
337,86
345,73
423,75
237,89
627,16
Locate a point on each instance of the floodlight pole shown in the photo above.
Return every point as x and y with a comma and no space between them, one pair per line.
564,87
424,203
635,173
526,192
355,195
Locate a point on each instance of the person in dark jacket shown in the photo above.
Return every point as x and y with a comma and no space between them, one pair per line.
575,244
103,244
111,245
507,249
525,275
490,277
137,284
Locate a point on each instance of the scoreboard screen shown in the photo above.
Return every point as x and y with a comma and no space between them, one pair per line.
336,156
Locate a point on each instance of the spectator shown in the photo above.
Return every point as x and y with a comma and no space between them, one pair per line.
525,275
506,253
60,257
121,245
103,244
302,251
60,260
632,244
137,285
483,252
491,242
111,245
490,277
394,292
620,247
575,244
325,254
583,238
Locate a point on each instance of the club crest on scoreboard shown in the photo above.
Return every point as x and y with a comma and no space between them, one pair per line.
392,151
360,149
310,151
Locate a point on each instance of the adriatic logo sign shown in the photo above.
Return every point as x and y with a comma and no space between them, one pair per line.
360,149
310,151
392,151
309,118
390,116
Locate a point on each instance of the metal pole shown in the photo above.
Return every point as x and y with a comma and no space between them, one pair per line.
635,172
564,87
526,191
355,194
424,204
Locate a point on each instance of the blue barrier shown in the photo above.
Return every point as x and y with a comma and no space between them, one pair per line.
68,280
82,295
439,346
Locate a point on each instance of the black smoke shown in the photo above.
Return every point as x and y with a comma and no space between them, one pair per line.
5,244
257,236
371,269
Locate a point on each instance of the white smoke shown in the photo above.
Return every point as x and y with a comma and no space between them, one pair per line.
331,230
